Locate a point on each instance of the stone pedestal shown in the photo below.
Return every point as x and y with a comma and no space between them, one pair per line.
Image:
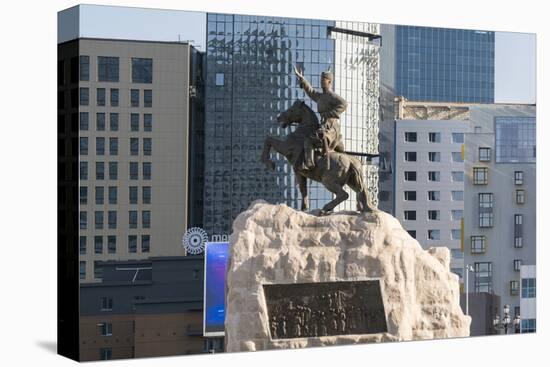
277,245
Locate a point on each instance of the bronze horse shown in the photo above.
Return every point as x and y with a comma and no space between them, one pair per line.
334,170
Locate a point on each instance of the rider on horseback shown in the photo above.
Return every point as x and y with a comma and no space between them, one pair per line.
330,106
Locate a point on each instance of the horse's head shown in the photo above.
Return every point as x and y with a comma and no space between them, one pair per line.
294,114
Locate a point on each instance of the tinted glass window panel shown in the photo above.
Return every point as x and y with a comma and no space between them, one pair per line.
142,70
107,69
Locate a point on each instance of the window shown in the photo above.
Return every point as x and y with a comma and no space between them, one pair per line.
106,304
483,277
147,98
133,192
100,96
410,137
84,121
520,196
134,97
410,156
83,195
99,195
100,146
514,287
517,265
485,210
147,146
457,214
107,69
106,329
99,170
98,244
410,175
83,170
528,325
146,219
134,146
83,220
410,215
434,234
433,215
145,243
457,195
111,244
113,146
113,195
113,170
434,156
515,139
113,121
456,234
484,154
434,176
83,146
98,218
457,157
82,269
528,288
132,218
82,245
457,176
142,70
434,195
480,175
133,170
477,244
219,79
100,121
518,242
434,137
134,122
147,122
112,219
458,138
98,270
457,253
84,96
147,170
477,129
410,195
146,195
412,233
132,244
84,68
114,97
518,177
518,230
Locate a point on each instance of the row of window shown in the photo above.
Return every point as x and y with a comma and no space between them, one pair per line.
434,176
108,69
84,99
113,146
434,214
112,192
99,244
434,157
434,195
435,234
433,137
99,219
114,121
113,170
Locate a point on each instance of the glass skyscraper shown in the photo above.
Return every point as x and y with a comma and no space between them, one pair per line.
445,65
249,81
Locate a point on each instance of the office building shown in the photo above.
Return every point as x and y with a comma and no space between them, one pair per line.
500,199
528,302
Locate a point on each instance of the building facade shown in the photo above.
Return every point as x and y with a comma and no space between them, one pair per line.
528,303
500,199
250,80
130,115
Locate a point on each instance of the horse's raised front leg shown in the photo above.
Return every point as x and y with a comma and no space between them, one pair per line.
265,153
302,184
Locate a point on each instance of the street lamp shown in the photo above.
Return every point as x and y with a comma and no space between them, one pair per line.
506,321
469,269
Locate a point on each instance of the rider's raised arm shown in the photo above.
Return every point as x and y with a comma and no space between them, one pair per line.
312,93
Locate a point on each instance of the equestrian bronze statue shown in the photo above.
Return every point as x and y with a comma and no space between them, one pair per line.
315,149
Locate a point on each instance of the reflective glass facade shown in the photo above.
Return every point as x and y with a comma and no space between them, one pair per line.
515,139
249,81
445,65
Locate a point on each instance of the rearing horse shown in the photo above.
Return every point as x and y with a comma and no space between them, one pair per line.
342,170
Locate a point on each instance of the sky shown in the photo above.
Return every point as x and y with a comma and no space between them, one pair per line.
515,53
